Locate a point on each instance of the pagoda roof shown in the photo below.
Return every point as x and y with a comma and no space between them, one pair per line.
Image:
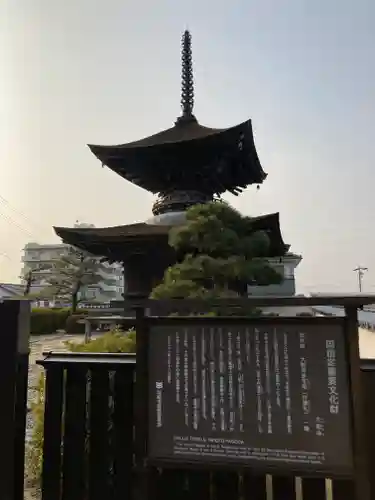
182,131
188,156
118,242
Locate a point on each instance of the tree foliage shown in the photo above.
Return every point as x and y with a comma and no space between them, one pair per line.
71,274
30,277
219,254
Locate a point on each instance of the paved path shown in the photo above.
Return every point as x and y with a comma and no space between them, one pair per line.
40,344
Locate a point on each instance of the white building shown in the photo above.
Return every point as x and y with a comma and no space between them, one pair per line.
37,258
285,266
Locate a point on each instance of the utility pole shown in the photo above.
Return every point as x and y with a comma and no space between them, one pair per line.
360,271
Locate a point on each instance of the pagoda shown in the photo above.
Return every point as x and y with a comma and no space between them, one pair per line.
184,165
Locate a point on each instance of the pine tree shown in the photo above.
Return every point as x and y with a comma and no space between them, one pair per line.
219,254
72,273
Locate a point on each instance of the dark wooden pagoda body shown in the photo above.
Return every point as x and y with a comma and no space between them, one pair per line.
144,250
187,158
184,165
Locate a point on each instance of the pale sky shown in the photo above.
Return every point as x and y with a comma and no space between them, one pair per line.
105,72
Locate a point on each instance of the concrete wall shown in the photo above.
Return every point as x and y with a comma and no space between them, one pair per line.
288,311
287,287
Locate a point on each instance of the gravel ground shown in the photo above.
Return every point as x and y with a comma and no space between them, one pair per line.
42,344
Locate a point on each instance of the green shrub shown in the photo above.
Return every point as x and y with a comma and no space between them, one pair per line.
45,321
72,324
113,341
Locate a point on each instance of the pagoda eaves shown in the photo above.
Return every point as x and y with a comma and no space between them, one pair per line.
188,156
118,241
199,161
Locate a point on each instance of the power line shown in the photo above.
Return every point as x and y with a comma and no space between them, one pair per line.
30,233
14,223
19,212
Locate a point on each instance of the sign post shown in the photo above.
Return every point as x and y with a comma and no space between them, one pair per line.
271,394
280,395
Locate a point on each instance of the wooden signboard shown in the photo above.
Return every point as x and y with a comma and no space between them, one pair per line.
268,395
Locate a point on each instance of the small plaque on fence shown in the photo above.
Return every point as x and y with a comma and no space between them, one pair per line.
267,395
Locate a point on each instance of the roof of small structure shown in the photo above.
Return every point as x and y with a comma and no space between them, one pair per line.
118,242
188,155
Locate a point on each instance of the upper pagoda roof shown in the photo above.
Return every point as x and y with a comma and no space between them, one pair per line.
182,131
188,155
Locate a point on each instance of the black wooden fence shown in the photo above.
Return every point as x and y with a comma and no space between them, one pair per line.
14,335
88,442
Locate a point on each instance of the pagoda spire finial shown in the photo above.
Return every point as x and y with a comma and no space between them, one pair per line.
187,80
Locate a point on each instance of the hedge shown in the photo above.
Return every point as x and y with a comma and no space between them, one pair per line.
72,325
47,321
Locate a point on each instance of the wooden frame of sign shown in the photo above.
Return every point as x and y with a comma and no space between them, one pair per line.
277,394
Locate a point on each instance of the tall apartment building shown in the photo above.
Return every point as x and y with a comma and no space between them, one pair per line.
36,258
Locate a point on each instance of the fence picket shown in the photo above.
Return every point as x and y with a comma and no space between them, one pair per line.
53,408
254,487
20,425
225,485
122,433
74,456
199,485
343,490
171,484
313,489
98,443
284,488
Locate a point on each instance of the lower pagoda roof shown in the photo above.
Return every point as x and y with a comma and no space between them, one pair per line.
188,156
119,242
